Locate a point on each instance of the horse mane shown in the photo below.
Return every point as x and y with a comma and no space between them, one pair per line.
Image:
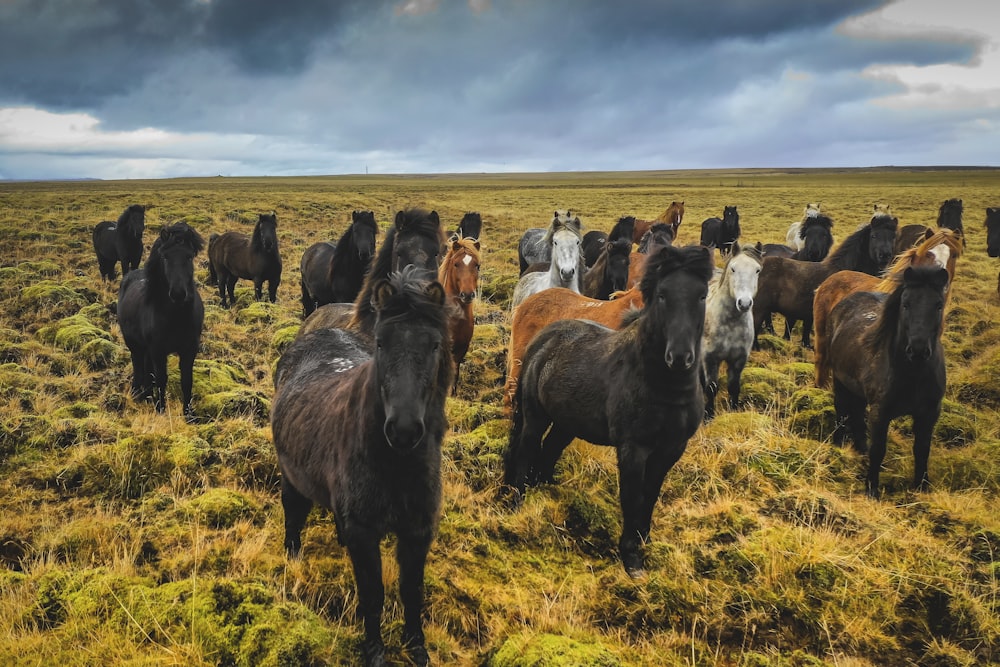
471,226
171,236
818,220
885,325
665,217
857,242
695,259
130,214
950,213
623,229
893,275
558,223
655,230
344,246
458,246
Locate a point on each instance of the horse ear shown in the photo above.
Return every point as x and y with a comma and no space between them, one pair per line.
434,217
435,293
383,291
928,233
455,242
164,233
400,217
476,243
734,249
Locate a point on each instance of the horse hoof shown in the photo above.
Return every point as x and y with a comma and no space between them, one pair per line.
374,654
417,654
635,568
510,497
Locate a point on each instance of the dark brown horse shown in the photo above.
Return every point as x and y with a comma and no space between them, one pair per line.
160,312
358,430
638,389
120,241
993,236
673,216
333,272
233,255
610,272
886,356
787,286
459,274
950,217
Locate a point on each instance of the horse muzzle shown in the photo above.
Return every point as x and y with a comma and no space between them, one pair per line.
743,305
918,351
403,434
679,360
993,251
179,295
567,274
466,297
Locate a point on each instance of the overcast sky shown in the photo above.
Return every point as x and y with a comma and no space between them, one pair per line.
160,88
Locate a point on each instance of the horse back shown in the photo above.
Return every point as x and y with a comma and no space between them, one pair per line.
328,316
230,252
316,268
848,324
787,286
104,239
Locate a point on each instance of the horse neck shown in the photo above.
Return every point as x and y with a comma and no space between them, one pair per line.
851,255
345,256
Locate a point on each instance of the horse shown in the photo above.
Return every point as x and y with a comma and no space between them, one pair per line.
470,227
673,216
120,241
333,272
728,333
533,247
459,274
160,312
232,255
358,430
950,217
414,238
566,268
610,272
886,356
940,248
592,245
793,236
721,233
786,286
660,234
637,389
552,305
993,236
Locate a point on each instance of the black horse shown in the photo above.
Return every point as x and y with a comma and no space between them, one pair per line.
160,312
885,351
233,255
638,389
592,245
120,241
333,272
359,431
950,217
415,238
470,227
609,273
721,233
787,286
993,236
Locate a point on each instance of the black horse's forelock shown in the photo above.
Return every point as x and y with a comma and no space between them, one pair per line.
256,240
694,259
885,326
131,216
471,225
411,301
623,229
420,222
619,246
815,221
179,233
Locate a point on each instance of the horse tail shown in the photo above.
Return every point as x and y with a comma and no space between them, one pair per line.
512,454
213,277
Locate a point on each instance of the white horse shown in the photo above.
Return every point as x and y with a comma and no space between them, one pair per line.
566,267
729,323
793,238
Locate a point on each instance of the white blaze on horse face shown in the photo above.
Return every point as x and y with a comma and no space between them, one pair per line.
941,253
467,260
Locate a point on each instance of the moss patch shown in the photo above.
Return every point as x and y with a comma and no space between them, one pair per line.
812,414
221,508
546,650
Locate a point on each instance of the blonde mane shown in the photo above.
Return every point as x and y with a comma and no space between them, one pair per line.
921,255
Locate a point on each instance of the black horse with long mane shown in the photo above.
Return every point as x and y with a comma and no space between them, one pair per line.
160,312
722,232
638,389
415,238
609,272
950,217
120,241
359,430
891,364
232,255
787,286
333,272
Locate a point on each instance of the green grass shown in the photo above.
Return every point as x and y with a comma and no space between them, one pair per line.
129,537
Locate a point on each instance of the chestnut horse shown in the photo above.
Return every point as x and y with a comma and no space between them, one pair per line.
459,274
559,303
673,216
941,248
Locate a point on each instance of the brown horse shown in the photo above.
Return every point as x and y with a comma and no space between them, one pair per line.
941,248
559,303
233,255
672,216
459,274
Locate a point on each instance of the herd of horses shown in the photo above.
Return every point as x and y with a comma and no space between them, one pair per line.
614,344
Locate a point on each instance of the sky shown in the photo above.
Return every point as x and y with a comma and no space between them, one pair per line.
119,89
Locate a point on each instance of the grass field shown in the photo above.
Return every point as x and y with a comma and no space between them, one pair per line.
129,537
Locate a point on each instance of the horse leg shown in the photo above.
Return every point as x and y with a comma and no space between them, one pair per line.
138,373
807,325
366,560
186,363
631,489
411,554
711,386
734,371
222,279
876,454
658,464
525,443
789,325
296,508
272,288
258,289
231,288
923,429
160,380
850,417
555,443
308,304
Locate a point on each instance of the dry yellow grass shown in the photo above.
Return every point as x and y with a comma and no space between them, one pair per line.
128,537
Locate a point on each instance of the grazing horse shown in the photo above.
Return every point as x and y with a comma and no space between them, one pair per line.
333,272
886,356
729,323
786,286
566,268
610,272
794,237
950,217
414,238
533,248
358,431
552,305
993,236
660,234
637,389
941,248
233,255
673,216
120,241
459,274
160,312
721,233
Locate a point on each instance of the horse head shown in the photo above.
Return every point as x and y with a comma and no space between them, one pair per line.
133,219
412,357
882,239
618,262
817,237
459,271
172,261
363,233
417,241
812,210
993,232
564,237
674,288
740,275
266,231
730,226
920,314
